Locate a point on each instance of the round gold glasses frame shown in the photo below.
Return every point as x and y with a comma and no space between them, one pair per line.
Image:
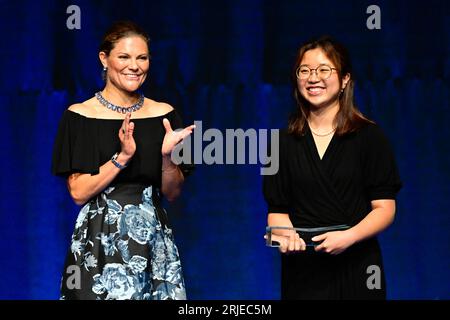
323,71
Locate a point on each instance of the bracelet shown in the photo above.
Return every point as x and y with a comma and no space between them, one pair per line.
117,164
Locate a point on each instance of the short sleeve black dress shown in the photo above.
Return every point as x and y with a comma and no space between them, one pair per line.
337,189
122,246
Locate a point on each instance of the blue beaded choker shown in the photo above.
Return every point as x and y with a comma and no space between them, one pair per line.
119,109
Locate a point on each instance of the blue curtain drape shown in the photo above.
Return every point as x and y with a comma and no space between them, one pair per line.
226,63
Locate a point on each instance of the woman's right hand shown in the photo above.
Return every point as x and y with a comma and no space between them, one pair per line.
288,238
127,143
289,241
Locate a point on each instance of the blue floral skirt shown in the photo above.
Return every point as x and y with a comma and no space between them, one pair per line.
122,248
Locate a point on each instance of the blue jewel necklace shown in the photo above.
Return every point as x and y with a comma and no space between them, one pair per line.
120,109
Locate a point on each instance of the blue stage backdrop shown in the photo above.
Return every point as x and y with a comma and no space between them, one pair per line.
226,63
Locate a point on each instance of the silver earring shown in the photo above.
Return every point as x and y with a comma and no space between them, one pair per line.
105,69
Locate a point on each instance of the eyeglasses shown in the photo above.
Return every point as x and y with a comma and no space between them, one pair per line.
323,71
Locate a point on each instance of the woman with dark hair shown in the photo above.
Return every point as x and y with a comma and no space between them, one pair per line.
337,185
115,152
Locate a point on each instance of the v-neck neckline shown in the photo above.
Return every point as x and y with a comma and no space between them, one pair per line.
314,146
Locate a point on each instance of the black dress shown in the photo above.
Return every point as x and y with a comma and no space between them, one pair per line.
337,189
122,246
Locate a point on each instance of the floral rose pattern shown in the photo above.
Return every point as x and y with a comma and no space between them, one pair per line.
123,251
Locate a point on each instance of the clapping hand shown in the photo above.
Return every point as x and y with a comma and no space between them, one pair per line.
172,138
127,143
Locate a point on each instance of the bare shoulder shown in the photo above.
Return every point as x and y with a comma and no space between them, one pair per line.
85,108
154,108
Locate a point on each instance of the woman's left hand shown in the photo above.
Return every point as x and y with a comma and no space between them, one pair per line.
172,138
334,242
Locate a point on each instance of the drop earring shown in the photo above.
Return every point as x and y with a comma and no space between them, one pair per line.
105,69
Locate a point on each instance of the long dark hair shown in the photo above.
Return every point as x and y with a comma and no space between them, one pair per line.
349,118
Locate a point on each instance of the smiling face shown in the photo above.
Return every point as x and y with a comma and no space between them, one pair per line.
317,91
128,63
